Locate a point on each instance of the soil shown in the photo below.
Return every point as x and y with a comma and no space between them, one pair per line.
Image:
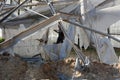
15,68
101,71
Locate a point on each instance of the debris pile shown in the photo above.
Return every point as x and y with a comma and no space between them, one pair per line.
81,22
53,70
101,71
14,68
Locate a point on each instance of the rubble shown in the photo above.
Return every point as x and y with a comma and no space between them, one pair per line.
14,68
53,62
101,71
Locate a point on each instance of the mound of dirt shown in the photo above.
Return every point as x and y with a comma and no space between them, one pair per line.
53,70
101,71
14,68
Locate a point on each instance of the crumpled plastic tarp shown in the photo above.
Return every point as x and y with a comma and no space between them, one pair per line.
100,20
107,53
66,46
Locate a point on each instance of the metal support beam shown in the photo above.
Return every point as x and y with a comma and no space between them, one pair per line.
77,50
13,10
15,39
37,13
30,10
84,27
41,4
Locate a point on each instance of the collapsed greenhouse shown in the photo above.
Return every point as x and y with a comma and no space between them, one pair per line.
49,39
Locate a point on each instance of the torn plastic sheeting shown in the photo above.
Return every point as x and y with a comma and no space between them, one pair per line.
66,46
109,3
115,43
95,3
52,51
107,53
91,4
110,16
96,19
30,45
70,8
103,18
115,28
52,37
83,36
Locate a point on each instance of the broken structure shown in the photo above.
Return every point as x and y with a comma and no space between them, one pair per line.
79,21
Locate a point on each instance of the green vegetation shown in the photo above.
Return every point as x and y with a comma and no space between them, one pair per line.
1,39
117,50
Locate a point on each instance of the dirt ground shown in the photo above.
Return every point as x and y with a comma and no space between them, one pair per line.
14,68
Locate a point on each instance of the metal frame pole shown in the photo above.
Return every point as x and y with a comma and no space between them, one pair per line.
81,56
82,26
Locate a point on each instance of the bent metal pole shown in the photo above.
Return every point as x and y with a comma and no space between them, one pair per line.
12,11
84,27
78,52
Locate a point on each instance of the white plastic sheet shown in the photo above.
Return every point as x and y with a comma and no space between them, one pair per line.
107,53
66,47
105,17
100,20
52,51
90,4
83,36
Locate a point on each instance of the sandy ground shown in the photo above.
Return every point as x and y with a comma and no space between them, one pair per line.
14,68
